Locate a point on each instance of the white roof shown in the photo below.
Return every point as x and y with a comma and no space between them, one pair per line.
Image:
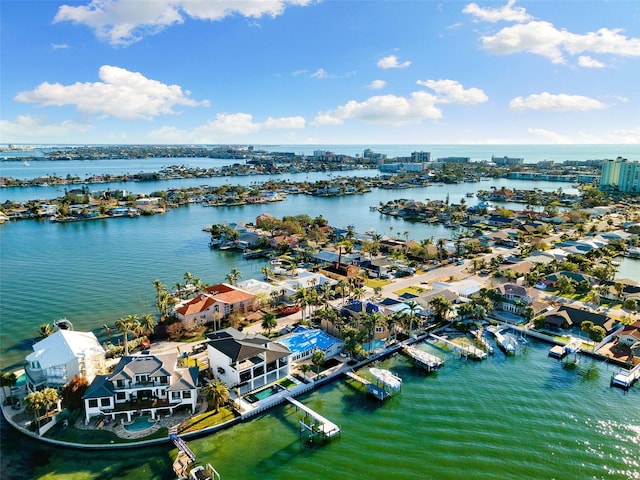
62,346
256,286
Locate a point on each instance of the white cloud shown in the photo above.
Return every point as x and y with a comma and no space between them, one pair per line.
377,84
122,22
391,61
30,128
555,103
59,46
588,62
543,38
224,127
451,91
320,73
548,135
384,110
394,110
121,94
507,13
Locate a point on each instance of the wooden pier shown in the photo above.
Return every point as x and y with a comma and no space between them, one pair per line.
323,427
184,466
464,350
424,359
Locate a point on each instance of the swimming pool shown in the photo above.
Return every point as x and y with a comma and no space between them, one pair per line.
370,346
262,394
139,424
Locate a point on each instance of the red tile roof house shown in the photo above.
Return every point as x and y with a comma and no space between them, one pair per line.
629,336
217,303
141,384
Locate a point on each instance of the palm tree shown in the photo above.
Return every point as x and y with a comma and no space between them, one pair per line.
441,250
125,325
34,402
45,329
317,358
8,380
413,306
267,272
441,307
216,393
305,368
269,322
148,323
233,276
342,286
107,331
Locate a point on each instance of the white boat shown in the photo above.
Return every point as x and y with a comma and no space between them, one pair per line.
201,472
26,163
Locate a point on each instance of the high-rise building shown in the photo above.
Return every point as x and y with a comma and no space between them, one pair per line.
620,174
420,157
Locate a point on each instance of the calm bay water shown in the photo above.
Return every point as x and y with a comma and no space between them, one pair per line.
523,417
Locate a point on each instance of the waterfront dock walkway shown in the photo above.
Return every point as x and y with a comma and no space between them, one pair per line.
465,350
388,383
325,427
424,359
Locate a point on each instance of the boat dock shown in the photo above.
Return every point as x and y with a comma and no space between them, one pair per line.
323,427
184,466
424,359
464,350
626,379
503,342
561,351
482,341
387,385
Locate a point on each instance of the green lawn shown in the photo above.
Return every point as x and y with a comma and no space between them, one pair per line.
206,420
376,282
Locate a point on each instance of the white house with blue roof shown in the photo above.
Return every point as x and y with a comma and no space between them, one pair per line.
303,341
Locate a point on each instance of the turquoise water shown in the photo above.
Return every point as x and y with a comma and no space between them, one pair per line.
139,424
377,343
629,268
521,417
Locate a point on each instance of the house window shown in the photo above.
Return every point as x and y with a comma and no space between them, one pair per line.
93,403
120,383
105,402
121,396
164,380
175,395
186,394
142,378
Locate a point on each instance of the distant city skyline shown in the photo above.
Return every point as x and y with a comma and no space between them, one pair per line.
319,72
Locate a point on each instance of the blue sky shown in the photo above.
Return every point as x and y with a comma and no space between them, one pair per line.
319,72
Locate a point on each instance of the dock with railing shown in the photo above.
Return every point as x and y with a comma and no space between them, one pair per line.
468,351
314,423
386,383
423,359
184,466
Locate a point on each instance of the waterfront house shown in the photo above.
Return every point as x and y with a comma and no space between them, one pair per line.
567,317
217,303
303,341
515,298
142,384
58,358
629,336
246,361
